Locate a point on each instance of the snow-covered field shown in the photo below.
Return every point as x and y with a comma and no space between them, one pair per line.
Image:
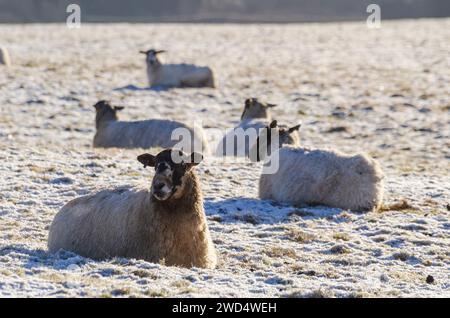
385,91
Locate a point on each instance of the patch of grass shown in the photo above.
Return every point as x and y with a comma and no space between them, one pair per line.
5,272
340,249
248,218
340,262
144,274
53,277
337,129
427,263
358,294
300,236
379,239
123,291
318,293
181,283
341,236
130,173
402,256
398,206
157,293
276,251
266,261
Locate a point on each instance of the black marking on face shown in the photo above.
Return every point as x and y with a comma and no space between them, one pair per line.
164,162
161,167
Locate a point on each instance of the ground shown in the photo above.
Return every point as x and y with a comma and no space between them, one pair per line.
381,91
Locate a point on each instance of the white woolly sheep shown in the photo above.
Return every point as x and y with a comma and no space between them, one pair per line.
141,134
176,75
4,57
256,116
323,177
166,224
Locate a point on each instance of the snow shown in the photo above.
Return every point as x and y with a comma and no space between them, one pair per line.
389,88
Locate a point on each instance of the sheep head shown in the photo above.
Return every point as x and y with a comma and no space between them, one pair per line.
172,167
255,109
264,143
152,56
105,111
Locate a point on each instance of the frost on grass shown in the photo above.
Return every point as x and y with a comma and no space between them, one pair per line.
390,100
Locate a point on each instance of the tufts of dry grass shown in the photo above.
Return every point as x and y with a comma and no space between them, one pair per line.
318,293
276,251
340,249
398,206
402,256
300,236
341,236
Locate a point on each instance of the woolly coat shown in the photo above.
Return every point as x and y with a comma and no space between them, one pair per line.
180,75
133,224
322,177
145,134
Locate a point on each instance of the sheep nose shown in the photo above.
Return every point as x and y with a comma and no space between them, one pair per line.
159,186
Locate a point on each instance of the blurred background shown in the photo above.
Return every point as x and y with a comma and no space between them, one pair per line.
23,11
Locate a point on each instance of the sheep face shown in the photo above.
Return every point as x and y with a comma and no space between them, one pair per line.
171,168
286,136
256,109
152,56
104,111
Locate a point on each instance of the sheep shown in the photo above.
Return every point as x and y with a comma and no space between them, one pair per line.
323,177
263,145
4,57
176,75
255,116
112,132
166,224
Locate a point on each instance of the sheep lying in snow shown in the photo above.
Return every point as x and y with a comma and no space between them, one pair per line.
176,75
141,134
4,57
256,116
323,177
166,224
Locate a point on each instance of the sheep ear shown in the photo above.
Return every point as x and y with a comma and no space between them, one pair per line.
100,103
193,160
271,105
143,52
273,124
147,160
291,130
118,108
160,51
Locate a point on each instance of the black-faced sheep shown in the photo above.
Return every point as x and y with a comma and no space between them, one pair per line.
176,75
166,224
241,139
4,57
142,134
322,177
